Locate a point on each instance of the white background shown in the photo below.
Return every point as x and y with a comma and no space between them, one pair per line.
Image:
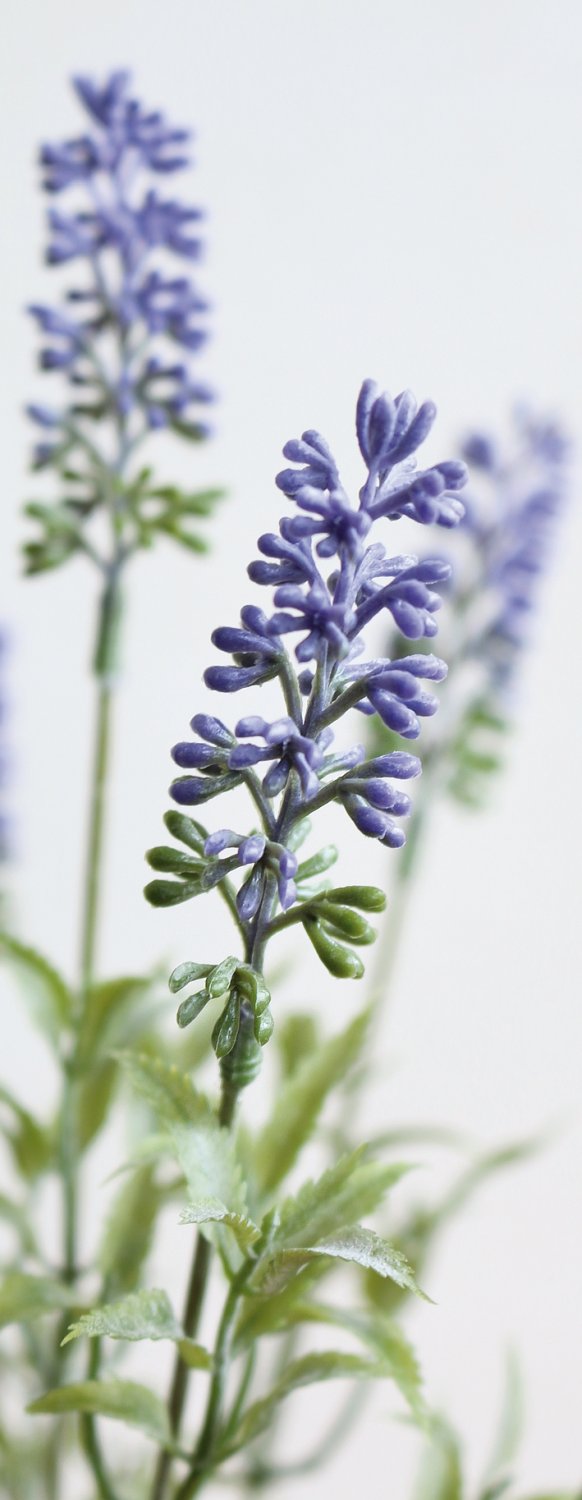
393,190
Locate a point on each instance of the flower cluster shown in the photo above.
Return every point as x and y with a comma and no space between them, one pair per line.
512,526
290,765
126,335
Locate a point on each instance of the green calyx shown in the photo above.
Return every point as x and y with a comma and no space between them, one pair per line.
245,996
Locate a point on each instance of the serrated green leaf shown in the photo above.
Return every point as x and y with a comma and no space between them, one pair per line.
24,1298
194,1355
347,1192
312,1368
204,1148
365,1248
45,989
358,1246
300,1100
141,1315
123,1400
211,1210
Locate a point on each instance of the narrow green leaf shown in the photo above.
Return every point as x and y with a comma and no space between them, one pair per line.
509,1428
381,1335
24,1298
300,1100
211,1210
44,988
112,1010
123,1400
16,1215
141,1315
297,1039
94,1097
129,1228
441,1476
312,1368
31,1143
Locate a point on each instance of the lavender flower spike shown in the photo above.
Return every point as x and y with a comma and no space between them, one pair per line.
326,610
125,339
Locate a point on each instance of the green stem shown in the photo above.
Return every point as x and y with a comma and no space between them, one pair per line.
205,1451
108,626
69,1150
195,1297
95,841
90,1439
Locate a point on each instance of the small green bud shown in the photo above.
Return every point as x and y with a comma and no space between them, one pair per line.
186,973
264,1027
347,922
318,863
173,861
340,961
253,988
221,976
192,1007
171,892
186,830
226,1030
364,897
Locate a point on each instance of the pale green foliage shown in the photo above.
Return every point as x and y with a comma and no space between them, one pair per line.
122,1399
203,1148
43,987
358,1246
31,1143
128,1230
348,1191
212,1211
300,1100
141,1315
329,1365
24,1298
